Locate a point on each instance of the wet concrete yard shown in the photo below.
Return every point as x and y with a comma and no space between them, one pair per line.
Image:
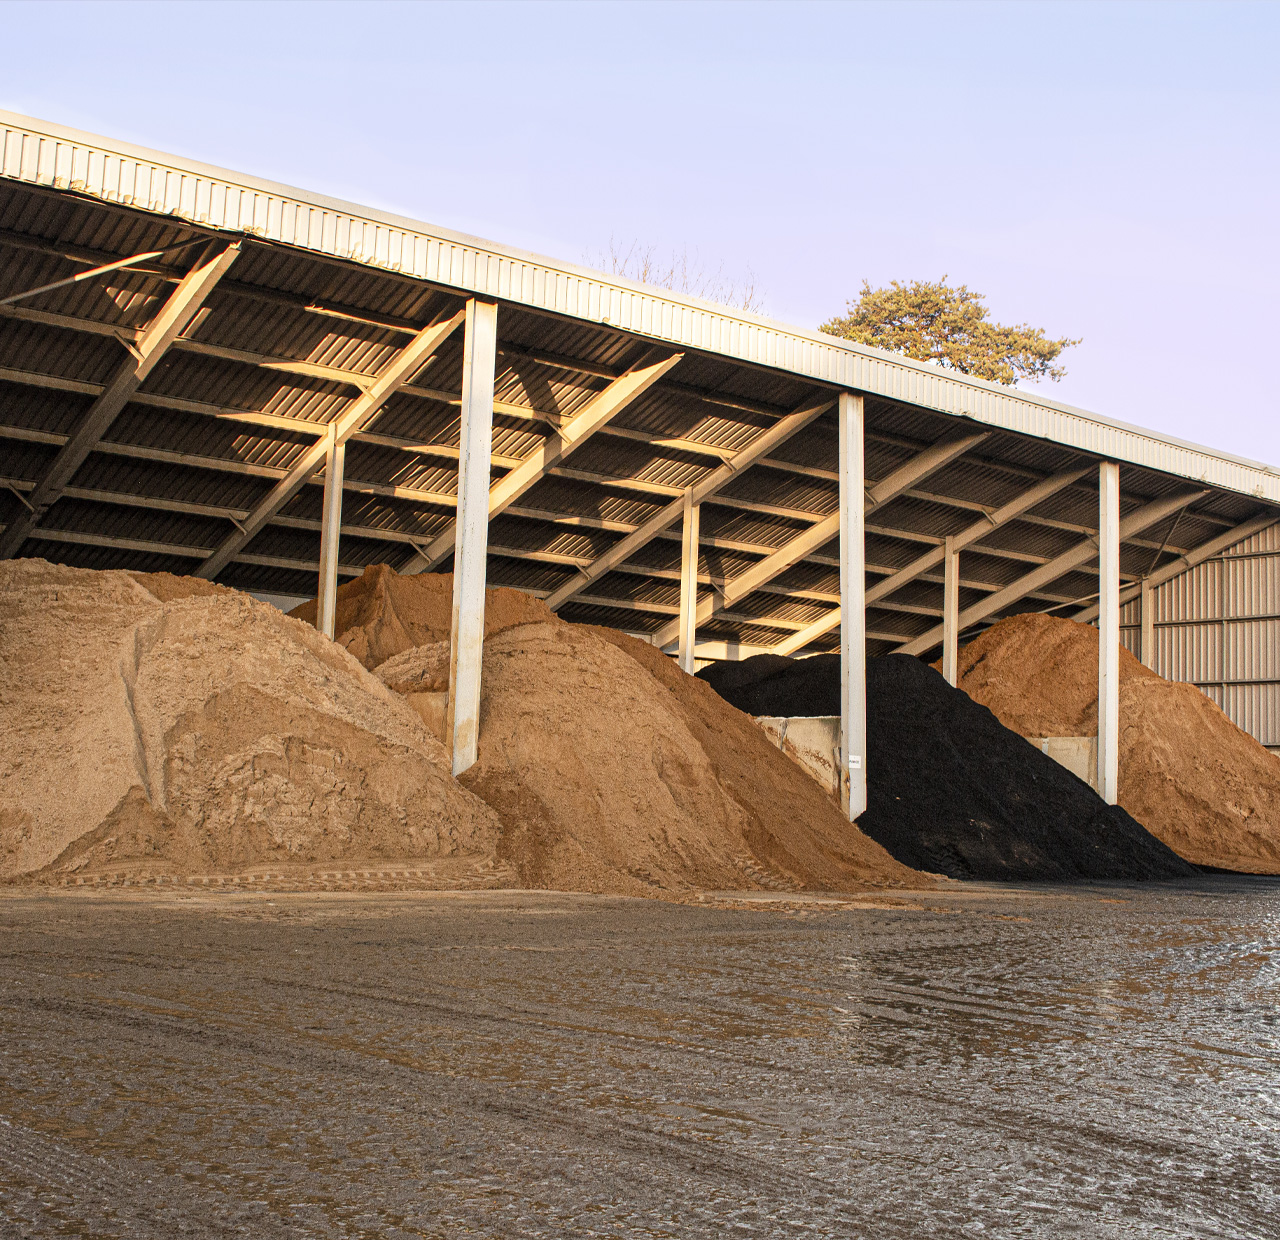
1092,1062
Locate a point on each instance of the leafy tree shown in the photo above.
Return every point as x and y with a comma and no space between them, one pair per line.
948,326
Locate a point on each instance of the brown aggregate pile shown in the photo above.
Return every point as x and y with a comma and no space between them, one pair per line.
153,725
1187,773
613,771
161,725
381,613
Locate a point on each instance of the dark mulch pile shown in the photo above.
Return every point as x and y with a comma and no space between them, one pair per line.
951,789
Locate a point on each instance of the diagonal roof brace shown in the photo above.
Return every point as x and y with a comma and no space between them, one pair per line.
888,488
933,557
559,444
353,418
173,319
94,272
1175,568
782,430
1070,559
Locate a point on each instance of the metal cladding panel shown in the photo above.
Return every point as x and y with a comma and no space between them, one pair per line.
1195,595
40,153
81,555
782,490
125,298
1250,585
51,351
1255,709
288,333
612,617
1189,652
1235,585
41,409
1251,650
539,579
1263,541
747,527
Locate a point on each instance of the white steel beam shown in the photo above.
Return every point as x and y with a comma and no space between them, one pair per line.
932,558
1207,550
853,631
330,534
401,538
781,430
950,611
181,550
888,488
1108,629
466,646
174,317
689,584
353,418
1147,638
93,272
1070,559
559,444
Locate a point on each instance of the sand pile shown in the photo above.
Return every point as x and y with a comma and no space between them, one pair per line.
1187,773
614,771
165,725
949,788
381,613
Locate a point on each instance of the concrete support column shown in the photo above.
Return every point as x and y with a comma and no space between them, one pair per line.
1148,604
689,583
950,611
853,618
471,549
1108,630
330,531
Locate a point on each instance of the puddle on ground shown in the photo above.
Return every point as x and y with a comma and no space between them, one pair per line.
1096,1062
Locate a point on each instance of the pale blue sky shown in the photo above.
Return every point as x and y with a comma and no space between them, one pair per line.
1107,171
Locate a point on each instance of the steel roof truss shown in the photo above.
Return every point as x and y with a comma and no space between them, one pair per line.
1015,508
1189,559
1069,560
888,488
777,434
151,345
353,418
563,441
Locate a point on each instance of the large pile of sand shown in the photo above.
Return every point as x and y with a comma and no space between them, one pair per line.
1187,773
381,613
162,725
614,771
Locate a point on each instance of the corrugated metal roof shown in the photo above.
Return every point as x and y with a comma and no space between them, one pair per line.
42,153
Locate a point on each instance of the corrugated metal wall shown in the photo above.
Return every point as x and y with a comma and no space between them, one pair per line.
1218,627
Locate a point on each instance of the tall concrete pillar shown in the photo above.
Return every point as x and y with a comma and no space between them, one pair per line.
330,532
950,611
1108,631
1148,604
853,619
471,549
689,583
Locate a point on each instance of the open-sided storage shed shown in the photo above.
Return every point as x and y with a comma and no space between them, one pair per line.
219,369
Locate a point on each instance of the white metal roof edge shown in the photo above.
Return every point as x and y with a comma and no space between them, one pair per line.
56,156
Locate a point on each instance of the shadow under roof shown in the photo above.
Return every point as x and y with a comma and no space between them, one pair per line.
324,294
